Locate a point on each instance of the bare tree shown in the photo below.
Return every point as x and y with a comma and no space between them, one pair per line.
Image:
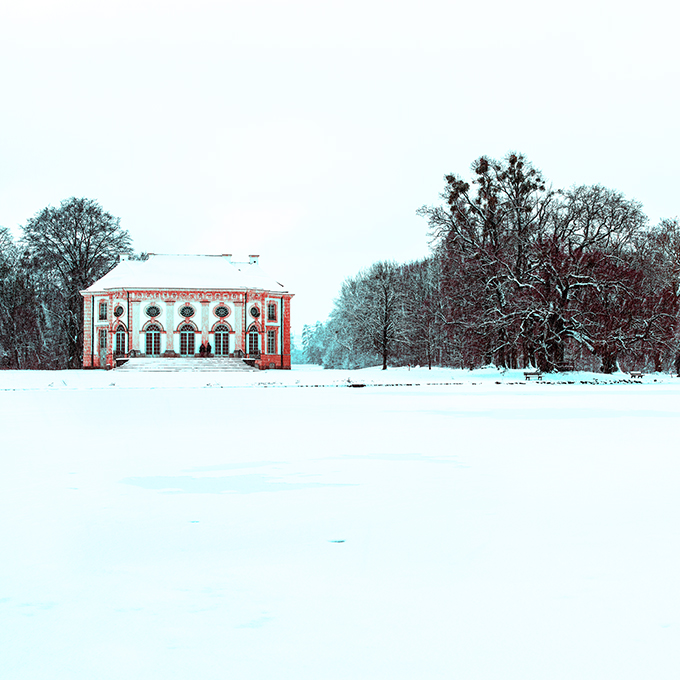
520,274
383,309
79,242
26,338
484,235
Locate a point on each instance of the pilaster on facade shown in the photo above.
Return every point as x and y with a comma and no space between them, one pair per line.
88,358
205,328
135,325
170,323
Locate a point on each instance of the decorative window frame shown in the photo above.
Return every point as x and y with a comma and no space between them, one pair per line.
183,305
153,304
230,311
153,322
275,316
186,322
221,322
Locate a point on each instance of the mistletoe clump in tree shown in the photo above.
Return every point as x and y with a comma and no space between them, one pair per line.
520,274
529,273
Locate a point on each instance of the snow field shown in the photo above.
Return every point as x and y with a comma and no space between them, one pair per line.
490,531
301,376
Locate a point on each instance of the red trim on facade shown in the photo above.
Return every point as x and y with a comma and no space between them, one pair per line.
239,322
221,322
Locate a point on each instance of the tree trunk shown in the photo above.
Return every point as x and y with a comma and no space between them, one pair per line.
608,361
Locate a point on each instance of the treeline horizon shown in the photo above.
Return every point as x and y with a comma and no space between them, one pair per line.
520,275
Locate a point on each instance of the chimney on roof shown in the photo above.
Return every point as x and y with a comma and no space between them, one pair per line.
253,259
227,255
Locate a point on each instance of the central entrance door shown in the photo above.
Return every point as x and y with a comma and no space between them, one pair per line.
221,341
153,340
187,339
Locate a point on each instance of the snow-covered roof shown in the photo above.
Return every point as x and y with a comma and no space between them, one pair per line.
186,272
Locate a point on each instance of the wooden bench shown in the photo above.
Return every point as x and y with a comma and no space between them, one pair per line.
636,374
528,375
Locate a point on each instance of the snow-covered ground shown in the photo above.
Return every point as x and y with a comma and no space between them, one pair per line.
301,376
434,524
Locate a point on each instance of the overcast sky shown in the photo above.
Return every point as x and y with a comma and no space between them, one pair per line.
310,132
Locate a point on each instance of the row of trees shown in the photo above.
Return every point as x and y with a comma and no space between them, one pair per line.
61,252
520,274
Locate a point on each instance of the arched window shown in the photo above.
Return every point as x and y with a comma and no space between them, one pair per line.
153,340
253,341
187,339
221,341
120,340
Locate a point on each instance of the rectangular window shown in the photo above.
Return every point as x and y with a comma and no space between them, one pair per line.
253,342
271,342
271,311
102,311
102,339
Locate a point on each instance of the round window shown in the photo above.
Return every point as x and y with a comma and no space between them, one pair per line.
118,311
187,311
153,310
255,312
221,311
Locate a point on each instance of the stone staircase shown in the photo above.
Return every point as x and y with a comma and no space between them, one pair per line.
185,364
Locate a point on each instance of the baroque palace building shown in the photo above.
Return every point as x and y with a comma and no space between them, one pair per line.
171,305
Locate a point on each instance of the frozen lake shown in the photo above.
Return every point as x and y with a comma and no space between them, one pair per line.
174,526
